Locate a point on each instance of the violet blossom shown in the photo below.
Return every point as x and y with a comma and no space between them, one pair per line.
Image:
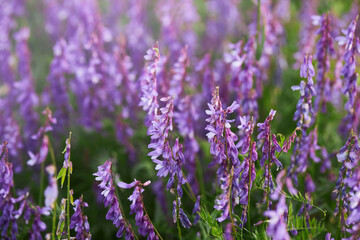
352,46
142,220
353,219
277,228
51,191
79,220
324,50
149,86
38,226
222,146
114,214
349,157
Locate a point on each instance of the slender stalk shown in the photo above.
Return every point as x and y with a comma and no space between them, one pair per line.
248,205
200,176
268,174
52,156
230,203
69,171
230,183
157,232
120,208
41,191
177,213
68,203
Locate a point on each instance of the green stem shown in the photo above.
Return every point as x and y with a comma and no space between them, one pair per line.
200,176
52,156
248,205
68,202
177,214
157,232
41,193
268,175
230,211
121,211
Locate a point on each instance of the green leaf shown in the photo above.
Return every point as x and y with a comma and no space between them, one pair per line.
62,175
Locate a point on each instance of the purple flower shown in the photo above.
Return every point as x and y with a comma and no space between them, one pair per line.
177,161
277,228
148,85
222,146
348,71
177,81
328,237
159,130
304,110
349,157
26,96
247,97
42,155
79,221
46,127
186,118
51,191
38,226
115,213
185,222
265,134
6,172
59,67
142,220
248,175
324,50
353,219
309,184
67,163
197,209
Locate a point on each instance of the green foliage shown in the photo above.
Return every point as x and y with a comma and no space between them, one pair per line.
209,226
62,175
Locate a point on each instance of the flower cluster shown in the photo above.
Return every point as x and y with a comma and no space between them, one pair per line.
79,221
104,175
142,220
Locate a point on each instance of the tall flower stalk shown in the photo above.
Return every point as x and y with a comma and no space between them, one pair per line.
350,76
222,146
349,157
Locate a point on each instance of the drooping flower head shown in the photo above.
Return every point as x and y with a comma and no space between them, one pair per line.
104,175
142,219
38,226
79,220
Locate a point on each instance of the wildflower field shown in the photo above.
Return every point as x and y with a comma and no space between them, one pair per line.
179,119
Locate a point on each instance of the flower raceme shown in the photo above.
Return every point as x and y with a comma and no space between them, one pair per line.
104,175
137,207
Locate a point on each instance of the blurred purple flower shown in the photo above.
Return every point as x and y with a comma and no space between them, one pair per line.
277,228
51,191
348,71
148,86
